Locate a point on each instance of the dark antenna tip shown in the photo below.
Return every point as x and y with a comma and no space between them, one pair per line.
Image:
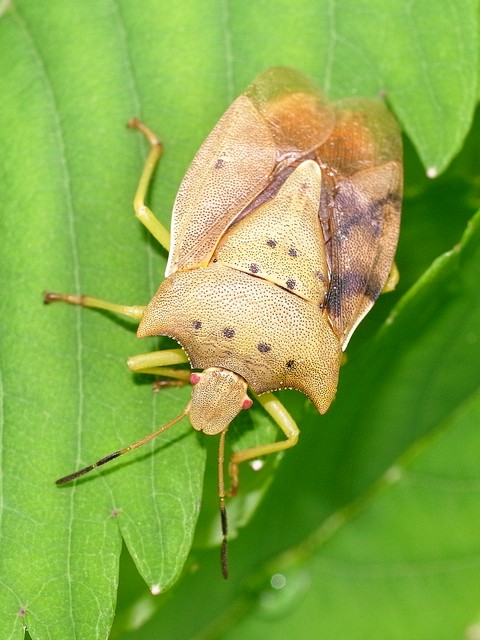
224,547
91,467
224,558
121,452
223,511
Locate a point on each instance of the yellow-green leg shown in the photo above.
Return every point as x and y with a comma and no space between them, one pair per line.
146,217
277,411
156,362
160,363
392,280
152,364
142,212
135,311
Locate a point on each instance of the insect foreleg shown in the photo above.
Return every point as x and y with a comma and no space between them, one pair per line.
277,411
160,363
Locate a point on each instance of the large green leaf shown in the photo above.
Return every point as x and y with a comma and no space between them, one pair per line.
72,74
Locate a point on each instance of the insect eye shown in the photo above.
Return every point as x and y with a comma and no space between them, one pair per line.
195,378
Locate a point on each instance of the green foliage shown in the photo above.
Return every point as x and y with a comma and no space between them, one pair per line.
370,524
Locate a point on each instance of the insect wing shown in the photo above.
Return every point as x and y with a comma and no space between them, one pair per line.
279,119
233,164
360,212
298,116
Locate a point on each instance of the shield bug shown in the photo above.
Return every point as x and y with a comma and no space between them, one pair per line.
284,231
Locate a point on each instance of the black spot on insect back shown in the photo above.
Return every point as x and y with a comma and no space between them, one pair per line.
290,364
197,324
220,163
291,284
292,252
228,332
254,268
263,347
271,243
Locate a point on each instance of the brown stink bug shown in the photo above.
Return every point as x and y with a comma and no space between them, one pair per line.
284,231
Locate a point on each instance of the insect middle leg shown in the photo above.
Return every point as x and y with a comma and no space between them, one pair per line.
156,362
131,311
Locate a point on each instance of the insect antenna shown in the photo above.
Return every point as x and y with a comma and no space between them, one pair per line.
121,452
223,511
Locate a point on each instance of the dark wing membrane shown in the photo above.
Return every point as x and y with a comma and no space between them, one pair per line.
278,120
360,210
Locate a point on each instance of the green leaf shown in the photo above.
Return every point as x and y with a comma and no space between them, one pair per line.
72,74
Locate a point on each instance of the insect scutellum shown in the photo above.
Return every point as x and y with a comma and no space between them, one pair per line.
283,235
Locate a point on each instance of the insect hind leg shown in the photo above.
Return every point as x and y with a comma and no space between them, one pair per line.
142,212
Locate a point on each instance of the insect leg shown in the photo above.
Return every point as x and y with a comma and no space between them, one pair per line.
158,363
392,280
142,212
135,311
277,411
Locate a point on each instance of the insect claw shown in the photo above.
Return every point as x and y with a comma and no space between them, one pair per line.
158,385
132,123
49,297
136,123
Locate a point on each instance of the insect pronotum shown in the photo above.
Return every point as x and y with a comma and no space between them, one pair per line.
284,231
